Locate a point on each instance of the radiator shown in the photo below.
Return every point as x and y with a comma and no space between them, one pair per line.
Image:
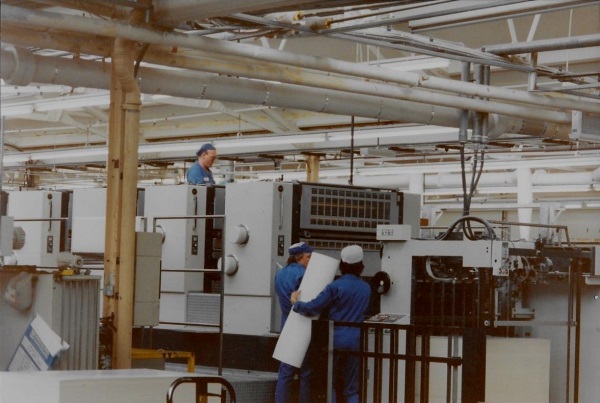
70,307
78,322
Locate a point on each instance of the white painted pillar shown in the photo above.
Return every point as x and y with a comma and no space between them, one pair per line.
416,183
524,197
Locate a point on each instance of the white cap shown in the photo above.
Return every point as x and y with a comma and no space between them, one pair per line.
352,254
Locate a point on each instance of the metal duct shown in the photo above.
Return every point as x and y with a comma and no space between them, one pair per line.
454,180
584,41
81,73
14,15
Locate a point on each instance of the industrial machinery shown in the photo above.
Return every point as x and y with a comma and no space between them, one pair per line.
265,218
191,246
67,304
37,283
536,303
511,294
38,214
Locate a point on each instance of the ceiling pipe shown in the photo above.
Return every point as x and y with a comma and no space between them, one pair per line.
503,11
344,84
20,17
304,78
574,42
82,73
511,178
454,180
293,75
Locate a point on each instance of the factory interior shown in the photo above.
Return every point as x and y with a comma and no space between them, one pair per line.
457,142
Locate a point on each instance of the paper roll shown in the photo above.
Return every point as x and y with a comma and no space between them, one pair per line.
295,337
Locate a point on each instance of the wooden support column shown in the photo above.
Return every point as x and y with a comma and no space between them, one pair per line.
312,167
121,201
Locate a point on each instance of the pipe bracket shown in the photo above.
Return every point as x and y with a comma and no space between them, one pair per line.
325,104
25,66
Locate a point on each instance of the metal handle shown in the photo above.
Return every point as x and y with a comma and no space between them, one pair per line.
281,197
50,216
202,387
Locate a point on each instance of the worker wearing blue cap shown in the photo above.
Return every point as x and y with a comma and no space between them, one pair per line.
288,280
199,173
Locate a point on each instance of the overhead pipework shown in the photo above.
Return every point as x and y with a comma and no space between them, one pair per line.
212,67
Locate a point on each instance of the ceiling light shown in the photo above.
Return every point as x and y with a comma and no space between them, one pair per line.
399,132
54,104
16,110
58,156
266,141
82,101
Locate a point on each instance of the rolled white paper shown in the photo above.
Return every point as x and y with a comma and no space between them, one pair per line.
295,336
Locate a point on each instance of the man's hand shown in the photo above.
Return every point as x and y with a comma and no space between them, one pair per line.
295,296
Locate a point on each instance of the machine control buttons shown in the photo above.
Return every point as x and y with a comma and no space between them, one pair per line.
230,265
381,282
280,245
18,238
239,235
194,244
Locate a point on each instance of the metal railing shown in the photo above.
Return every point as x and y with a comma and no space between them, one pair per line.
220,270
201,392
401,362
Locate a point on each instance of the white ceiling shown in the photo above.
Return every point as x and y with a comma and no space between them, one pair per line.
269,82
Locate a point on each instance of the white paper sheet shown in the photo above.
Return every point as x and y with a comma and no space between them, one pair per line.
295,336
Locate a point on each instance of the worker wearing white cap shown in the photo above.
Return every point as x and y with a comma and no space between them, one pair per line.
288,280
345,300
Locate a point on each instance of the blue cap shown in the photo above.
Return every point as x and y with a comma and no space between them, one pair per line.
300,247
205,148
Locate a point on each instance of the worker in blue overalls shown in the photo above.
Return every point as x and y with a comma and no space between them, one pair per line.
346,300
288,280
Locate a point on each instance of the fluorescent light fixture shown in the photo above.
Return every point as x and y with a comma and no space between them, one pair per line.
16,110
53,104
170,100
35,89
480,205
82,101
268,141
171,147
585,126
397,132
58,156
